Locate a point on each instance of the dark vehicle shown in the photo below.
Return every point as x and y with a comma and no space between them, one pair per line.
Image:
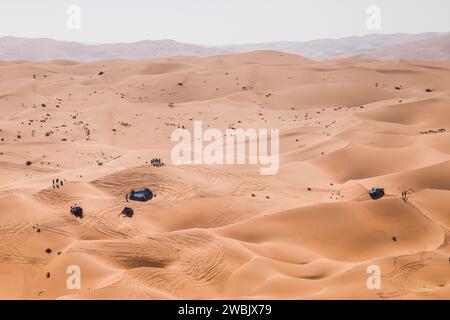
128,212
77,212
141,195
376,193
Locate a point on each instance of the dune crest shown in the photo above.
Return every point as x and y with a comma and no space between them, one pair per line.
85,134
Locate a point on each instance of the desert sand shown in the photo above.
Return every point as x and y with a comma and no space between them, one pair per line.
225,231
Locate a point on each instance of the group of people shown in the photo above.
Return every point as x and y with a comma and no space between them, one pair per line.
156,162
127,212
57,183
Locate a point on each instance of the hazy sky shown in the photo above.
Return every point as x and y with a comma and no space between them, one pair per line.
216,22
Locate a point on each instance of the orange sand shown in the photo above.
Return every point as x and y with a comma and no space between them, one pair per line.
309,232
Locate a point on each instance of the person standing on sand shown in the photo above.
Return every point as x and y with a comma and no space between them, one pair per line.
405,196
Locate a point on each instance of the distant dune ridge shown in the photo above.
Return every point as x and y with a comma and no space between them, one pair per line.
345,47
433,46
47,49
85,134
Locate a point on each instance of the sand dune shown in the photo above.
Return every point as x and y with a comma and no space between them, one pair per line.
225,231
428,45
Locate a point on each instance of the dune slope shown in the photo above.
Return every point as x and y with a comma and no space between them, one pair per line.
85,134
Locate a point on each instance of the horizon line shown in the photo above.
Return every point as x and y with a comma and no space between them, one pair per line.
88,43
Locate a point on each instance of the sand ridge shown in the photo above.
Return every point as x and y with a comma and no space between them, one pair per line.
225,231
